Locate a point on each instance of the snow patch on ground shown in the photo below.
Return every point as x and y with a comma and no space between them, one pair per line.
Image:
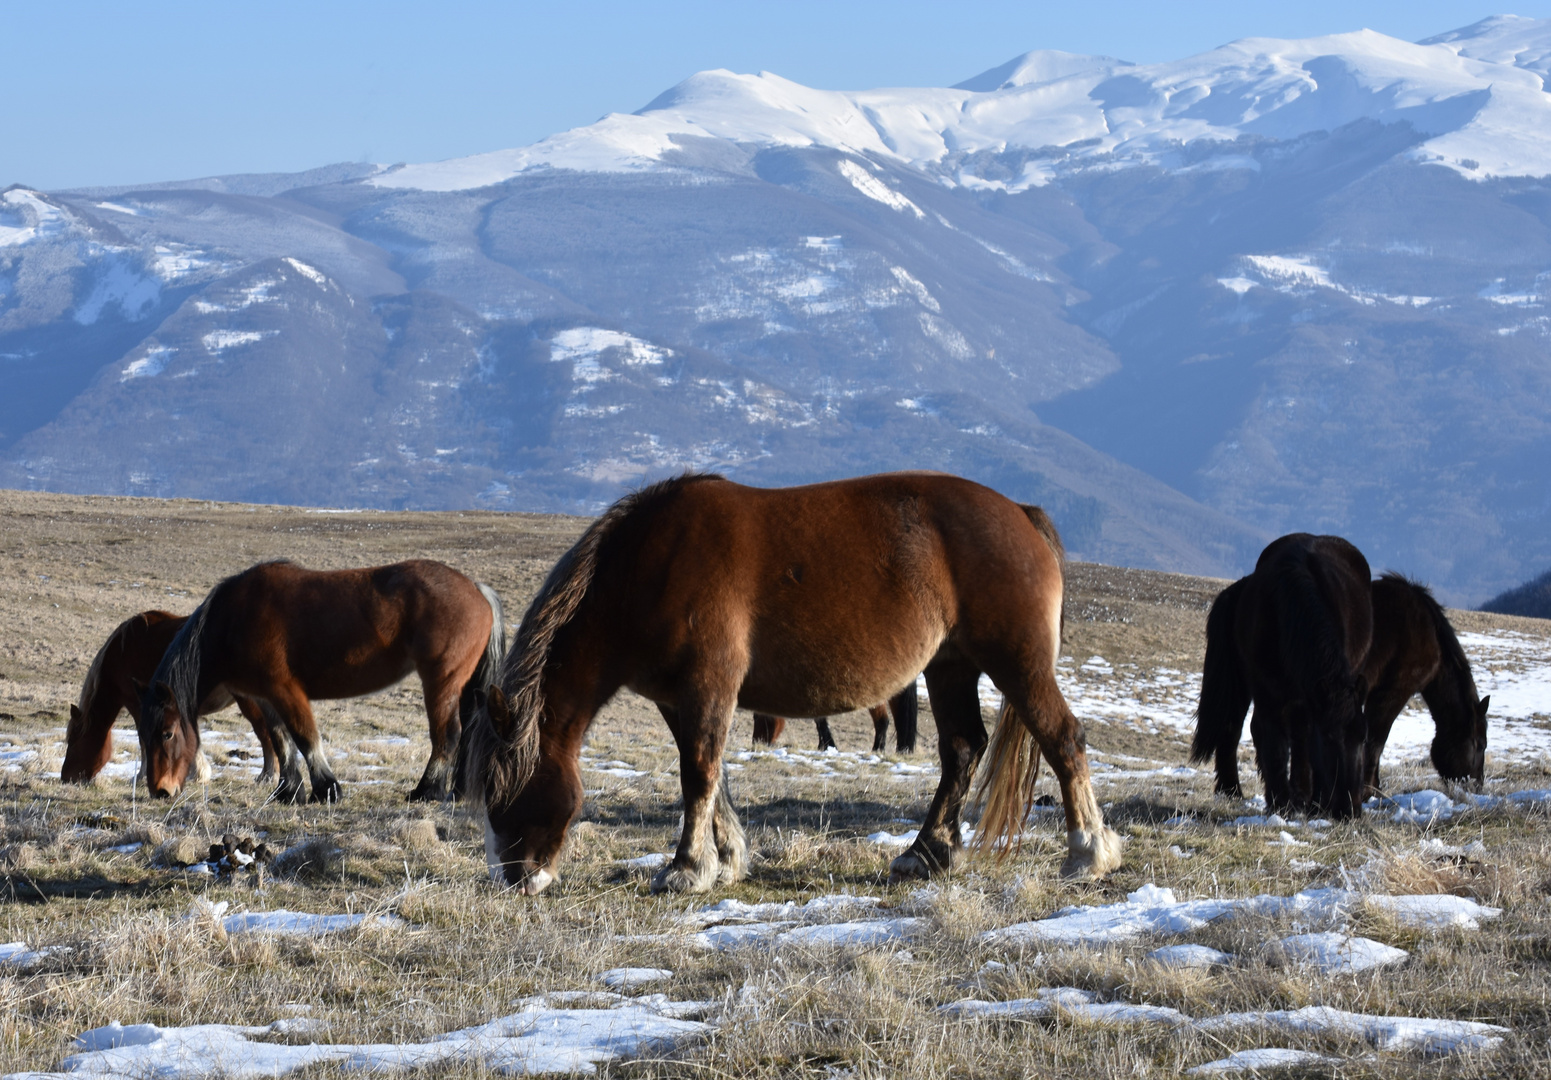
537,1039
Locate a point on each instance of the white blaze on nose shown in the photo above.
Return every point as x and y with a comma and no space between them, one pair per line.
493,855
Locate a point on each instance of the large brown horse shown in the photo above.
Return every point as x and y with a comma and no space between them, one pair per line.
702,595
1291,638
288,636
904,705
1416,651
129,657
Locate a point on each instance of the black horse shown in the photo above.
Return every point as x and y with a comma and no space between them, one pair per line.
1292,638
1415,651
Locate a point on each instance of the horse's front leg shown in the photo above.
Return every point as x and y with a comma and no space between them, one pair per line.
441,709
254,714
712,849
296,710
961,739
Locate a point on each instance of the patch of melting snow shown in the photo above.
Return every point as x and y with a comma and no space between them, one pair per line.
1399,1033
537,1039
1190,956
623,977
1266,1058
1335,953
646,862
19,957
281,921
1154,910
1383,1032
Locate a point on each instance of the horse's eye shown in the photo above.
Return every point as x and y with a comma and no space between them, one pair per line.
167,735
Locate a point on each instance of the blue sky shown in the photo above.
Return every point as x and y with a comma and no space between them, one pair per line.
110,93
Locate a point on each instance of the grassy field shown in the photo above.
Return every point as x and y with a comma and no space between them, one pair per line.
135,945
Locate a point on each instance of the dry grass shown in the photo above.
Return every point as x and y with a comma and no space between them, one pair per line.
469,952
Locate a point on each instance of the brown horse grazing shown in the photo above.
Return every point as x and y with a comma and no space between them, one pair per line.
288,636
703,595
1415,651
904,705
128,657
1292,638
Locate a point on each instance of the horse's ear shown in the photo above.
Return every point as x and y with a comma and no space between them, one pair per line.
478,700
75,714
499,712
1481,708
140,687
164,693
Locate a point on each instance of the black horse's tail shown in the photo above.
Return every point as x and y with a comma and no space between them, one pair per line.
480,682
905,707
1225,695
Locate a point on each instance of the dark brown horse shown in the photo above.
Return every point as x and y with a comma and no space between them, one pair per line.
128,657
703,595
904,705
1415,651
288,636
1292,638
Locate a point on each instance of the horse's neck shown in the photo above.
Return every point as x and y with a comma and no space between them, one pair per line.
1451,695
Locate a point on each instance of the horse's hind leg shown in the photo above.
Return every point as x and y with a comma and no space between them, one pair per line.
442,692
961,739
880,727
700,730
1093,849
906,707
732,846
1268,729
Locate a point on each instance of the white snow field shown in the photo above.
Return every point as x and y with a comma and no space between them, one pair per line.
1477,91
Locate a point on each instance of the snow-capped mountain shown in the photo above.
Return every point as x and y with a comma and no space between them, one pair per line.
1280,285
1478,94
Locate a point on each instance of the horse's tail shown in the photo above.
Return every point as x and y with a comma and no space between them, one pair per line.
504,737
906,709
1225,695
1008,773
1010,768
479,682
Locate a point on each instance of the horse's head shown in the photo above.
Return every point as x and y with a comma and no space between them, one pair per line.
169,743
527,806
1459,752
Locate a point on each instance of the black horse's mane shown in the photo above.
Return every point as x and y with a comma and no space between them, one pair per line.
1448,642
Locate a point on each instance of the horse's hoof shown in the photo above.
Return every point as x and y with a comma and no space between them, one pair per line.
287,793
425,793
681,879
908,867
537,882
1091,855
329,792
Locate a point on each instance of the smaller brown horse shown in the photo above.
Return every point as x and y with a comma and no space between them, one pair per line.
288,636
128,657
1415,651
905,706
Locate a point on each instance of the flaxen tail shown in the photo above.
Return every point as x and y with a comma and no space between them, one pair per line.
1009,770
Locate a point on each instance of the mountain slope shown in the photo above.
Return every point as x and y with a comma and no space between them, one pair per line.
1187,306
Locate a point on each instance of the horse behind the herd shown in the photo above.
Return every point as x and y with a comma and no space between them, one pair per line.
904,705
1329,657
703,595
129,657
286,636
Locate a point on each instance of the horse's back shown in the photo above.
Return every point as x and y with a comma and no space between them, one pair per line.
850,587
